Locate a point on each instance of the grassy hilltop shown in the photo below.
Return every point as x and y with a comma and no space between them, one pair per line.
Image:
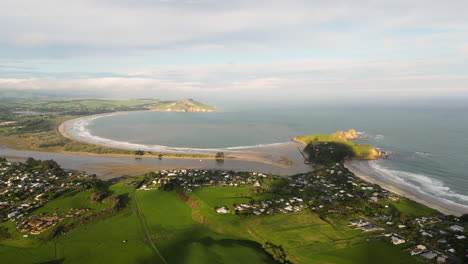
184,105
336,147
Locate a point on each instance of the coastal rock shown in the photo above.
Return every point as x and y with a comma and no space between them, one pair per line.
349,135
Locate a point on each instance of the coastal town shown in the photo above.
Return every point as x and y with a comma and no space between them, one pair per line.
331,192
25,187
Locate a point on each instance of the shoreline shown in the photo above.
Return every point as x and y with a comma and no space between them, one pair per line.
357,167
243,156
111,167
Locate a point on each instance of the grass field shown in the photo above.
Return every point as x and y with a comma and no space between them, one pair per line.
186,229
182,238
411,208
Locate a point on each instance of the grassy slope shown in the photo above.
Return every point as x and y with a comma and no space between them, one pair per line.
182,239
98,242
305,237
411,208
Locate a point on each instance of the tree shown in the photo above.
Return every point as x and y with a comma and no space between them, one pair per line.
277,252
219,156
464,218
139,152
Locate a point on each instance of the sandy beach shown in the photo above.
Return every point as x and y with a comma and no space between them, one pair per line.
363,170
251,155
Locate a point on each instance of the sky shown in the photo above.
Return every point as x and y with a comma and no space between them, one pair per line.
236,50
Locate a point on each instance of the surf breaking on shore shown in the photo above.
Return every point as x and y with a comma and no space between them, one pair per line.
78,129
433,194
420,188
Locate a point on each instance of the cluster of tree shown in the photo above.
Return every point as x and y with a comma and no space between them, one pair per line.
326,153
44,164
37,124
139,152
4,234
277,252
219,156
118,203
98,196
464,218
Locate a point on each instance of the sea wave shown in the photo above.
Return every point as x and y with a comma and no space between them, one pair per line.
79,130
423,183
423,153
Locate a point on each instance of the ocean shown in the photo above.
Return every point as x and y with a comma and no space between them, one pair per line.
428,145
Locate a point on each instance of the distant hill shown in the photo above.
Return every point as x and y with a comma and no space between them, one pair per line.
184,105
96,106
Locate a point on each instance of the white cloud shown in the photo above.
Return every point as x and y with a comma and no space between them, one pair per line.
30,39
344,47
156,24
463,49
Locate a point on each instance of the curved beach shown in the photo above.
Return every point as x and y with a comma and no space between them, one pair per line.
364,170
271,154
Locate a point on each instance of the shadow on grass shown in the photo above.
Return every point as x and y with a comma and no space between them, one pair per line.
55,261
198,243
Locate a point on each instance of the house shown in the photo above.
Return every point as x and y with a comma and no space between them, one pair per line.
223,210
13,214
429,255
417,250
441,260
457,228
397,240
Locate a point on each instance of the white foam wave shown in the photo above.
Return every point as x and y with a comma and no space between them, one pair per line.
424,184
379,136
79,130
423,153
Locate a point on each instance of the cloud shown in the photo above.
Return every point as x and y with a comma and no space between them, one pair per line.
463,49
30,39
157,25
194,47
273,88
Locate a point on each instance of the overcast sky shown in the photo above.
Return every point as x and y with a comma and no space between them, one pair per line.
212,49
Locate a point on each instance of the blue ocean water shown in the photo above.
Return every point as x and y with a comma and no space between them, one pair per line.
428,145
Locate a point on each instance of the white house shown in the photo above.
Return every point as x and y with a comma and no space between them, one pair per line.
457,228
223,210
397,240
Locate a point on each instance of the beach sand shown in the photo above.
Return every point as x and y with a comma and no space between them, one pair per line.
363,170
251,156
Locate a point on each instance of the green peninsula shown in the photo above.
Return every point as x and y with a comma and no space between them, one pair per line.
336,147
